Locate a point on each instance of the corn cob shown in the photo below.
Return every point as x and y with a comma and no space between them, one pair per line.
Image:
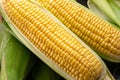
96,32
16,59
52,42
43,72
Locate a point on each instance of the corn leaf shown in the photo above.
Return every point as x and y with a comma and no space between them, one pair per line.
17,60
107,9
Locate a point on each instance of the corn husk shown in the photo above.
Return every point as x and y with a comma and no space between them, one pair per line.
17,60
107,9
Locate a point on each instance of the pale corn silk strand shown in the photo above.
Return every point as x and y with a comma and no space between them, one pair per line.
94,31
54,41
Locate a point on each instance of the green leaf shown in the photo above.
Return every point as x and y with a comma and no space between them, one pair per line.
107,9
17,60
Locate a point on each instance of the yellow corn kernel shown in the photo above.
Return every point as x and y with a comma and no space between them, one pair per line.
96,32
57,44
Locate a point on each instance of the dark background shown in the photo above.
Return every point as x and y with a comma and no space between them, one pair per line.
83,2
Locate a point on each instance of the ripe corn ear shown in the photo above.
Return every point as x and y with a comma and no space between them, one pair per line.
51,41
96,32
16,59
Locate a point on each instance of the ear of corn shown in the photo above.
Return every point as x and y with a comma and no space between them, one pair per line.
51,41
110,9
43,72
96,32
16,59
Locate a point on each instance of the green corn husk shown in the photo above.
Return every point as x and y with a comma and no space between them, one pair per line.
107,9
1,35
43,72
17,60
